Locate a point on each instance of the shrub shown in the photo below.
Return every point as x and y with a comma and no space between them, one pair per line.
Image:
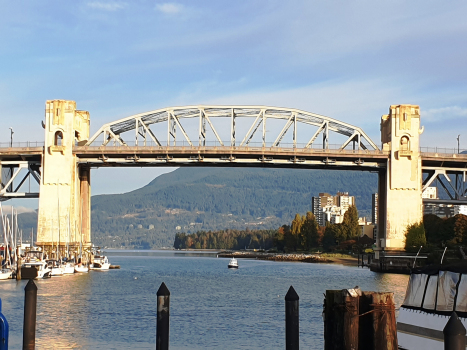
415,237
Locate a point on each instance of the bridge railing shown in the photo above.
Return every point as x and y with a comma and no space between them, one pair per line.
26,144
442,150
298,147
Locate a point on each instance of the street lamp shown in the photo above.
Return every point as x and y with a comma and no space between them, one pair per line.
11,136
458,138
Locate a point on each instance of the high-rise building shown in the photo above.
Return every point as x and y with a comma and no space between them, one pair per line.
327,208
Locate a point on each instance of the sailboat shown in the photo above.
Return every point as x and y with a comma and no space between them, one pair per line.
6,261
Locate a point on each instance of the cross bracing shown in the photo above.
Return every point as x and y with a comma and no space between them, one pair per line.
172,127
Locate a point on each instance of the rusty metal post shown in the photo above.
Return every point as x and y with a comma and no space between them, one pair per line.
29,324
454,334
291,320
163,314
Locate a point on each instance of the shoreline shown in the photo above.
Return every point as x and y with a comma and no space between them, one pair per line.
293,257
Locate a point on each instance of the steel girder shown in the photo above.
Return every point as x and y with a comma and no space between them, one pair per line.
21,171
452,180
173,116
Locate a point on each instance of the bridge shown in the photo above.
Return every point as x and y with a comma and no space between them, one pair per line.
233,136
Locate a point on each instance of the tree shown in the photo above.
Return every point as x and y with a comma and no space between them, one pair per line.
460,229
350,222
309,232
415,237
295,231
329,237
433,227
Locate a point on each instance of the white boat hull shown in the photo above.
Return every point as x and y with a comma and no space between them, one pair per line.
81,269
5,274
68,269
101,267
421,330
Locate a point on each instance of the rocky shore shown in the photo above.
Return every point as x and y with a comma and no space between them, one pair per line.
298,257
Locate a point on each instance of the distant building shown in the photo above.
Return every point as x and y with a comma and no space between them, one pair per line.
374,208
441,210
328,208
460,209
430,193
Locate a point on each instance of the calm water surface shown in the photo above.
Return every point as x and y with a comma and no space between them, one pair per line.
211,306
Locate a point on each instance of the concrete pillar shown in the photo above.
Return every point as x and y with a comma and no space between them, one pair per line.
400,134
60,188
85,200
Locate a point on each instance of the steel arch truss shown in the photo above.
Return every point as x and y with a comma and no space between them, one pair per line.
139,130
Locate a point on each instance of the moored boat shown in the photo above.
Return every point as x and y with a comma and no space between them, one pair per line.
5,274
56,269
433,293
81,268
100,263
233,264
68,268
35,270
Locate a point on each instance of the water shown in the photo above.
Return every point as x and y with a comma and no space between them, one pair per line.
211,306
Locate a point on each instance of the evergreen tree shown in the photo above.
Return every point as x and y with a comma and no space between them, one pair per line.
350,222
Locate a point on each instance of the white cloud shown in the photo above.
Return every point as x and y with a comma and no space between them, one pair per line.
106,6
169,8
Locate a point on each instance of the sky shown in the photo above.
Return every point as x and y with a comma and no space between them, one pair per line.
349,60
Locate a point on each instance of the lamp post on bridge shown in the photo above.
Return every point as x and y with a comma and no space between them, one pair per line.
458,148
11,136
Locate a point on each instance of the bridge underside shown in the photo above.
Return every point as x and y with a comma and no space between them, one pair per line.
230,156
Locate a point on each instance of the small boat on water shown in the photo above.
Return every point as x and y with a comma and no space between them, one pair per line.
433,293
81,268
68,268
100,263
56,269
5,274
233,264
40,267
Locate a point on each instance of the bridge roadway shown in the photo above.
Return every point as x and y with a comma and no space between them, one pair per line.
149,156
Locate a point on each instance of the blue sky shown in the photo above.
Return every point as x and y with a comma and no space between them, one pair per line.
348,60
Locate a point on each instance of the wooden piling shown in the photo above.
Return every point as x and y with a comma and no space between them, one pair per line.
291,320
29,323
163,315
359,320
341,320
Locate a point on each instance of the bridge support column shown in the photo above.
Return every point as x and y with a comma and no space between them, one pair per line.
85,201
400,203
63,187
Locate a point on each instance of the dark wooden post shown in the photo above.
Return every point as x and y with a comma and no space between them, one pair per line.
341,321
454,334
29,324
291,320
163,314
378,322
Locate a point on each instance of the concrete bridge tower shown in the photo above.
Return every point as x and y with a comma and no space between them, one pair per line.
400,187
64,202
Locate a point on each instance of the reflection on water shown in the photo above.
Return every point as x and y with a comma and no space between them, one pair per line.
211,306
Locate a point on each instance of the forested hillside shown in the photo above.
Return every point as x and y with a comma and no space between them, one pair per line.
195,199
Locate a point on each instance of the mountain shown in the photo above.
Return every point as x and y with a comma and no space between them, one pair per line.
193,199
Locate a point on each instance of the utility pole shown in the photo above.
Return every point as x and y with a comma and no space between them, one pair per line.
11,136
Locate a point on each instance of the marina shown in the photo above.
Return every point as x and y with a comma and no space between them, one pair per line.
211,307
